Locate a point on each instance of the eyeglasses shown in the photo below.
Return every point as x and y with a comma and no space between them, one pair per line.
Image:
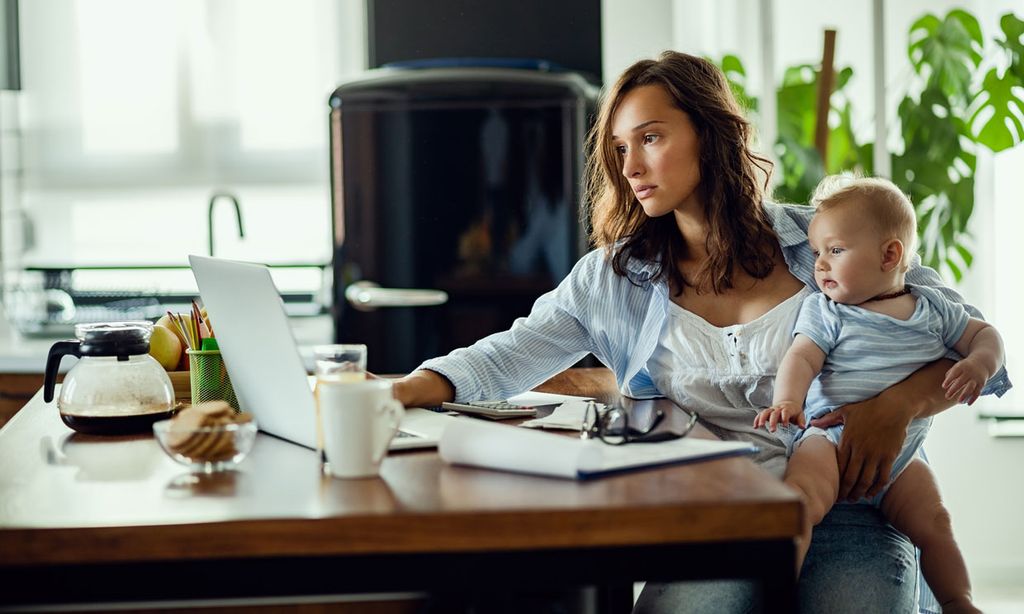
612,427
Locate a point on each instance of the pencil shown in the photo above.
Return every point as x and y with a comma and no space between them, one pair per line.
203,321
178,324
174,324
197,321
185,332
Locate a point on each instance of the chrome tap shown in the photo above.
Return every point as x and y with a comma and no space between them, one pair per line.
209,215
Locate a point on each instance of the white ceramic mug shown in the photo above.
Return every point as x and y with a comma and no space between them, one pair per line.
359,419
335,363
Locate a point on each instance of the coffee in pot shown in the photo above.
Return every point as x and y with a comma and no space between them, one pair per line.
116,388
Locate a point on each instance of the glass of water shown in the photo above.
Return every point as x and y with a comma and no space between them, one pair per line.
336,364
340,363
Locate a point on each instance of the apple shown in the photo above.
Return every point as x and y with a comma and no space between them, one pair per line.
165,321
184,364
165,347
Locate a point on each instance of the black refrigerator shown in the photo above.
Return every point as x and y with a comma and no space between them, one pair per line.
456,201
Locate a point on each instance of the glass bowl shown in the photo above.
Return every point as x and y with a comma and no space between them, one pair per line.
208,448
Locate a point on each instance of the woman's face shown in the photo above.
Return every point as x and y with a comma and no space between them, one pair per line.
659,151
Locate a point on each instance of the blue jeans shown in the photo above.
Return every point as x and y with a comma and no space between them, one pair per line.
857,563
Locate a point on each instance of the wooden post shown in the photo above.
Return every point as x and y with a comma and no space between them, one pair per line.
826,81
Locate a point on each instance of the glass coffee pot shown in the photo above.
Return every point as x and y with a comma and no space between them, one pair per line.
116,388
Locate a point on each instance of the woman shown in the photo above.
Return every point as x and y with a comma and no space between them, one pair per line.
693,295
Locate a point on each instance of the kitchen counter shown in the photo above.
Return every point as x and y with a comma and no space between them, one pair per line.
21,354
23,359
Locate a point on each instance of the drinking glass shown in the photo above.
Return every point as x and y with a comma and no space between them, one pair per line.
338,363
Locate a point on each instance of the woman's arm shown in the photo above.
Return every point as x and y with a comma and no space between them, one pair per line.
555,335
876,428
424,388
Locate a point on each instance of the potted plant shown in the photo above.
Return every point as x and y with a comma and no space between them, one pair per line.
963,96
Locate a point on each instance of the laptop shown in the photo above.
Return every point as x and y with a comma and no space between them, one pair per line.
263,360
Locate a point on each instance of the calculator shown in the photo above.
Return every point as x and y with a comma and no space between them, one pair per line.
495,410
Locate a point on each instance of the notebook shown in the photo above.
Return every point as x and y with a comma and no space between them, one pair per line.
263,360
497,446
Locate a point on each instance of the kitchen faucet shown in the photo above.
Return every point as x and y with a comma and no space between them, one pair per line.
209,215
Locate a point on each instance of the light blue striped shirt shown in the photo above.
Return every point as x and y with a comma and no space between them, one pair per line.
867,352
617,319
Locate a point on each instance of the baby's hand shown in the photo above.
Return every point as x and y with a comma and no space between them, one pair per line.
964,381
784,412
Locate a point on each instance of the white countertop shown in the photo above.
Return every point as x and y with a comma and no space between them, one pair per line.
21,354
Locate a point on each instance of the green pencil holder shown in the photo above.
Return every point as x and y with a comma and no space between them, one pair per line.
209,378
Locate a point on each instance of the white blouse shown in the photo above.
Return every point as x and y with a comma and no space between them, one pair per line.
726,374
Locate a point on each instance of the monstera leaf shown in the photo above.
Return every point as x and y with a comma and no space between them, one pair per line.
736,74
942,127
936,169
798,99
997,109
1013,30
942,227
843,152
931,127
950,48
795,103
801,167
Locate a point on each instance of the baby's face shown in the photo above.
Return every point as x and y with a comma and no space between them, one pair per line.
848,254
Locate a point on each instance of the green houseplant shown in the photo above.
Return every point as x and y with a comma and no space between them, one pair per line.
963,96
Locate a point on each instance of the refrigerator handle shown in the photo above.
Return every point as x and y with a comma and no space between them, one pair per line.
368,296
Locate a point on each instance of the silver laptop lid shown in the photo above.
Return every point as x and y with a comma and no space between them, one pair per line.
258,347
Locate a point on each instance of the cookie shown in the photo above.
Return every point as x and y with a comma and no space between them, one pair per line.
189,435
216,412
183,426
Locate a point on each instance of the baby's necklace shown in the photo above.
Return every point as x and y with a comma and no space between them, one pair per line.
884,297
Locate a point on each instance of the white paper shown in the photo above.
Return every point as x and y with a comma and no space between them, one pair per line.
468,441
537,399
617,458
568,415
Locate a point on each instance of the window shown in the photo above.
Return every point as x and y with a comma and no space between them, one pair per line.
133,112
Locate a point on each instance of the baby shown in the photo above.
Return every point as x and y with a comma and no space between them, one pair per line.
865,331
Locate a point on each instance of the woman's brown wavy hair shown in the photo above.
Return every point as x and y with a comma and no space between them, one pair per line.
733,181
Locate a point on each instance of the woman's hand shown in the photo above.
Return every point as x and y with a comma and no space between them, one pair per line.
785,412
423,388
872,440
877,427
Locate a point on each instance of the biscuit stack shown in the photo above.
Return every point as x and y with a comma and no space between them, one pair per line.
197,433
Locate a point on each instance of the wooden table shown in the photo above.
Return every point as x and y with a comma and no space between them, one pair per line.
86,519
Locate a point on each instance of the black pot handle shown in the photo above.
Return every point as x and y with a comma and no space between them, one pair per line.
57,351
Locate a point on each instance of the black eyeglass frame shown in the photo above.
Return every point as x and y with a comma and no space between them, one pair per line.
597,427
